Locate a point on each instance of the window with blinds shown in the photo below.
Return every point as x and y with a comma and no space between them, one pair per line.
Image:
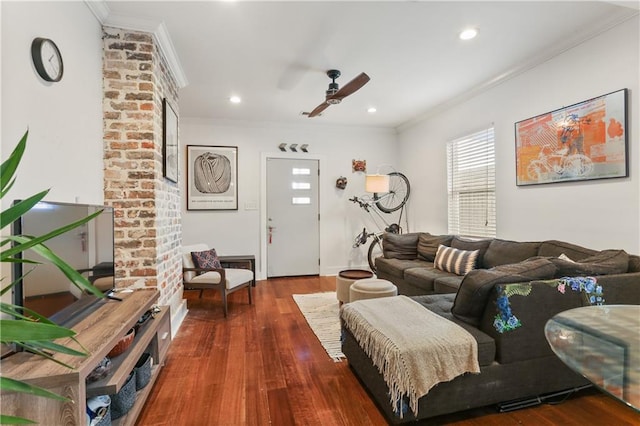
471,185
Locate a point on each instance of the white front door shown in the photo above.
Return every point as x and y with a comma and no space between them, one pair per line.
293,240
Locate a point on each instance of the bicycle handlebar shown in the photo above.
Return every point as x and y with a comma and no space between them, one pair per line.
361,203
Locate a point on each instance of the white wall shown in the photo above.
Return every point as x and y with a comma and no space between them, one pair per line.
239,232
64,149
597,214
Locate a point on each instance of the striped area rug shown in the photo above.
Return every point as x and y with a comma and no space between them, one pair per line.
321,311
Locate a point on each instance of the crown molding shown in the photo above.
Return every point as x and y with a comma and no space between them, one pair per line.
158,29
99,9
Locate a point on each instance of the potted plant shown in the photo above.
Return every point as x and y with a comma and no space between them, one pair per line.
21,326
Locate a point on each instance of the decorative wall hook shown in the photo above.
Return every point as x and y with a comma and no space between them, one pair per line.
359,165
293,147
283,147
341,182
304,147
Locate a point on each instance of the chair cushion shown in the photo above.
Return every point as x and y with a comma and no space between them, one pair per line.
234,277
459,262
207,259
187,260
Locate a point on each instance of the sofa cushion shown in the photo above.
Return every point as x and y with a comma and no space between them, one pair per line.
502,252
400,246
396,267
428,245
605,262
634,263
453,260
449,284
441,304
424,277
554,248
470,245
476,286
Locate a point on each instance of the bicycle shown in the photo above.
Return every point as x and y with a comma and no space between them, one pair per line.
559,162
388,202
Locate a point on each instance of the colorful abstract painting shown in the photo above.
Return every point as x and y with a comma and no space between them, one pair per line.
584,141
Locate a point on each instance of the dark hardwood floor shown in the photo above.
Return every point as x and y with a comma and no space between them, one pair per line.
263,365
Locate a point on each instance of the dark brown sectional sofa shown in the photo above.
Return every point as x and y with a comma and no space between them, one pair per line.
516,362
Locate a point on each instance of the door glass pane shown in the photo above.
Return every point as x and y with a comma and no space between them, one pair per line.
300,171
301,200
300,185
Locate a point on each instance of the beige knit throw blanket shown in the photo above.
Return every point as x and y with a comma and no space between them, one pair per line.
414,348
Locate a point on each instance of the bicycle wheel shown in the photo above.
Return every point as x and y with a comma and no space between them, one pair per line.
397,196
375,250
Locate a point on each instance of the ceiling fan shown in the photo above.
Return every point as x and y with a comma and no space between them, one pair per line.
335,95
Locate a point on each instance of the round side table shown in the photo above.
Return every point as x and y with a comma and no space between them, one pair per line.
345,279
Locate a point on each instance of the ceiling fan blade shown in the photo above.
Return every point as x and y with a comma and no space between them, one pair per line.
318,109
351,87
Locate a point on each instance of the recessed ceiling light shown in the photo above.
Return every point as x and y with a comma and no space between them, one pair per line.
468,34
371,110
235,99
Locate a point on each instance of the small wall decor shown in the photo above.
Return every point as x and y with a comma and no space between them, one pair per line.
359,165
169,142
584,141
212,177
341,182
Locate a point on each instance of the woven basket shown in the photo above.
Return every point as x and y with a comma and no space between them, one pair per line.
122,401
143,371
123,344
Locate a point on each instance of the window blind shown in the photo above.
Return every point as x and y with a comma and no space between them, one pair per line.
471,177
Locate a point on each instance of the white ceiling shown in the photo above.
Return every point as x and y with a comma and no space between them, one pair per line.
275,54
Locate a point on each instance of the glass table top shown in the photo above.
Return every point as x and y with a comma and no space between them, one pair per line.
603,344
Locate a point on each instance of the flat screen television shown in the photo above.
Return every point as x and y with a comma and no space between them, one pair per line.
88,248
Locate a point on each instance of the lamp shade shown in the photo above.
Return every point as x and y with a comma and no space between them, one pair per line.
376,183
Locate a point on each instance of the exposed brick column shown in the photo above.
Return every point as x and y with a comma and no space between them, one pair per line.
147,206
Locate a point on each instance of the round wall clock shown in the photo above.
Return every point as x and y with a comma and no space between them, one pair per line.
47,59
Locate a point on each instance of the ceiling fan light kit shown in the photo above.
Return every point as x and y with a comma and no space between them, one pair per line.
334,94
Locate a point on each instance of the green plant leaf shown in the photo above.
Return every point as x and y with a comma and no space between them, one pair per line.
23,331
13,385
13,420
74,276
54,347
10,165
10,215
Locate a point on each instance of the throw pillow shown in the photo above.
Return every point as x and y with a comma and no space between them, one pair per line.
565,257
428,245
207,259
459,262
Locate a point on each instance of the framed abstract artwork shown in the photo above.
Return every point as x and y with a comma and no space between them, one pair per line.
584,141
169,142
212,177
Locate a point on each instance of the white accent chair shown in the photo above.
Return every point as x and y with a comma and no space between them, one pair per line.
226,280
